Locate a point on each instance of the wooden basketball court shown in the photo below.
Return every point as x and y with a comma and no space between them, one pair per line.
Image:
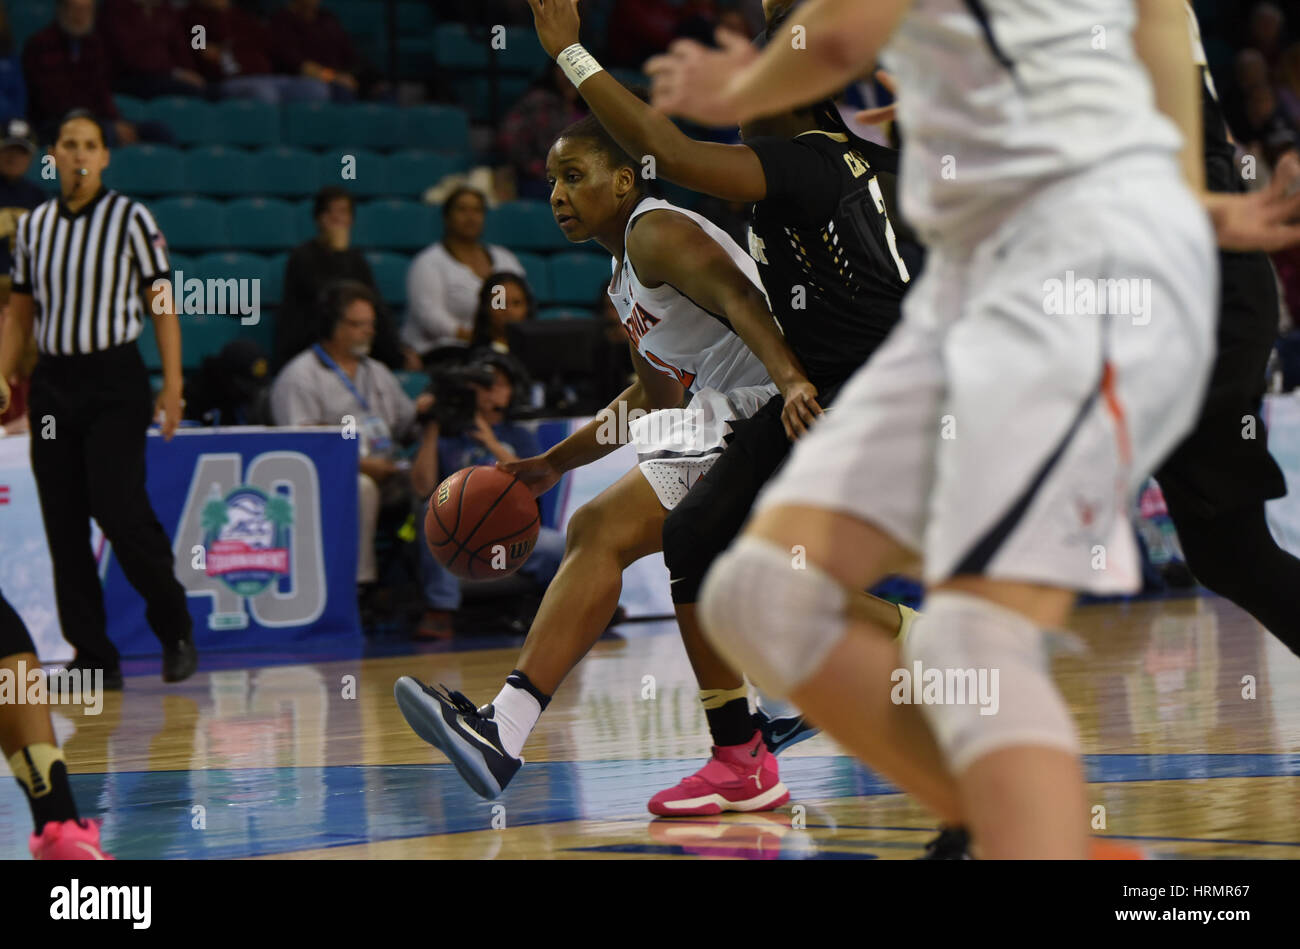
1189,711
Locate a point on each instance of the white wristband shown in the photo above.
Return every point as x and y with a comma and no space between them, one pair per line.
578,64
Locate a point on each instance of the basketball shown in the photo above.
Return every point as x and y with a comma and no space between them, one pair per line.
482,523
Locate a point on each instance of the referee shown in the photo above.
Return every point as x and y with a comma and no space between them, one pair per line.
82,262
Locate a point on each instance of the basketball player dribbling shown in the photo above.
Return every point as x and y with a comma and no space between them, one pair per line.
997,433
697,320
829,257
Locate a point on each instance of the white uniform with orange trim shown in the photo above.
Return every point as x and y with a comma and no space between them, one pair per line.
701,351
1057,346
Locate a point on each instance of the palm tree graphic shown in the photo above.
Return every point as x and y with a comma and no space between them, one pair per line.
214,517
280,513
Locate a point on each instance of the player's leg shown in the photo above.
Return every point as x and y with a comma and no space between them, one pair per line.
28,744
618,527
1217,480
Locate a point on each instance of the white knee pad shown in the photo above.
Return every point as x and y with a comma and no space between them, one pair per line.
980,672
769,619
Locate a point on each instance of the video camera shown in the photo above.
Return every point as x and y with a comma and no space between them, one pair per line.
454,380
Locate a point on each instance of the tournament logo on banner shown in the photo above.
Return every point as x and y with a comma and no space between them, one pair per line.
246,539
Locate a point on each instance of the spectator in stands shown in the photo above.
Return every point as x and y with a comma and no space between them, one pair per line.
13,91
149,48
1267,130
489,440
310,43
18,193
550,105
337,378
442,284
316,264
66,66
505,298
231,387
237,57
1267,30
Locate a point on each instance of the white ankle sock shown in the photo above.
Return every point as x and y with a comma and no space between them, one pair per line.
517,713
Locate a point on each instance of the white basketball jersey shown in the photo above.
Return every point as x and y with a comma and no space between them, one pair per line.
997,96
674,334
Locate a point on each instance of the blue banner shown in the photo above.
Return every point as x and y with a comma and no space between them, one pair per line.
264,531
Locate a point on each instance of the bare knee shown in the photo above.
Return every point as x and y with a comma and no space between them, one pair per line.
854,552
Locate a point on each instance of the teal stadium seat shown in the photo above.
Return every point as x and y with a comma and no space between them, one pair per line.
218,170
522,52
411,173
393,225
474,92
185,263
312,124
539,279
27,17
414,17
578,278
131,108
442,128
415,56
215,330
524,225
232,265
261,224
390,276
303,222
245,122
273,289
285,172
414,384
192,224
372,125
191,120
564,313
146,170
369,167
454,47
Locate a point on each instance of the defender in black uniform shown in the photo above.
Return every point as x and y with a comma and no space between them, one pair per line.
1216,482
835,269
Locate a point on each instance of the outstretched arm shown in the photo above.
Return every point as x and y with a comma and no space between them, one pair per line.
736,83
730,172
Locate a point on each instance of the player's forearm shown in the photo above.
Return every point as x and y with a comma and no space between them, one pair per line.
638,129
753,322
606,432
840,39
1162,43
13,340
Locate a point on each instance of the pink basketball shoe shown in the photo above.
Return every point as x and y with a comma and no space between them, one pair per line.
68,840
737,778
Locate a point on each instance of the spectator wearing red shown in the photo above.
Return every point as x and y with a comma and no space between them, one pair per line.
67,67
310,43
550,105
149,48
236,56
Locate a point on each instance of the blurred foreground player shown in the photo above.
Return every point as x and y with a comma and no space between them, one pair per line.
697,321
1058,412
27,741
85,268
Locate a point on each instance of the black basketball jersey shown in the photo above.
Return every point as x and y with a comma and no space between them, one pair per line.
826,249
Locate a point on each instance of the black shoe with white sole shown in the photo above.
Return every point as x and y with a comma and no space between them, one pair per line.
953,843
465,734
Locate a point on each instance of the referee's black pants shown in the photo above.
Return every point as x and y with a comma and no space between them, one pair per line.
89,415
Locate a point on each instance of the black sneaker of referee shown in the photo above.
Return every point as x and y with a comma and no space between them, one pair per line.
180,660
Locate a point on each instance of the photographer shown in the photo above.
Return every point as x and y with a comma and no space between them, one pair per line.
467,426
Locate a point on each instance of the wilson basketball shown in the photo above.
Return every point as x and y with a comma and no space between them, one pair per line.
482,523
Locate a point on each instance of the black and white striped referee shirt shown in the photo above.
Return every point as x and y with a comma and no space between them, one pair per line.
86,271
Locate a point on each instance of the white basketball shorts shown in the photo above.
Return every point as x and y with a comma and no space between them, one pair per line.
676,447
1034,380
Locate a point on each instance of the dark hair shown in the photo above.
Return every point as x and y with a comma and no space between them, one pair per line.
824,112
327,196
456,194
89,117
336,297
590,130
483,315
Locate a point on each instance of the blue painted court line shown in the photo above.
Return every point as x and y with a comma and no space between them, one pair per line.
257,811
